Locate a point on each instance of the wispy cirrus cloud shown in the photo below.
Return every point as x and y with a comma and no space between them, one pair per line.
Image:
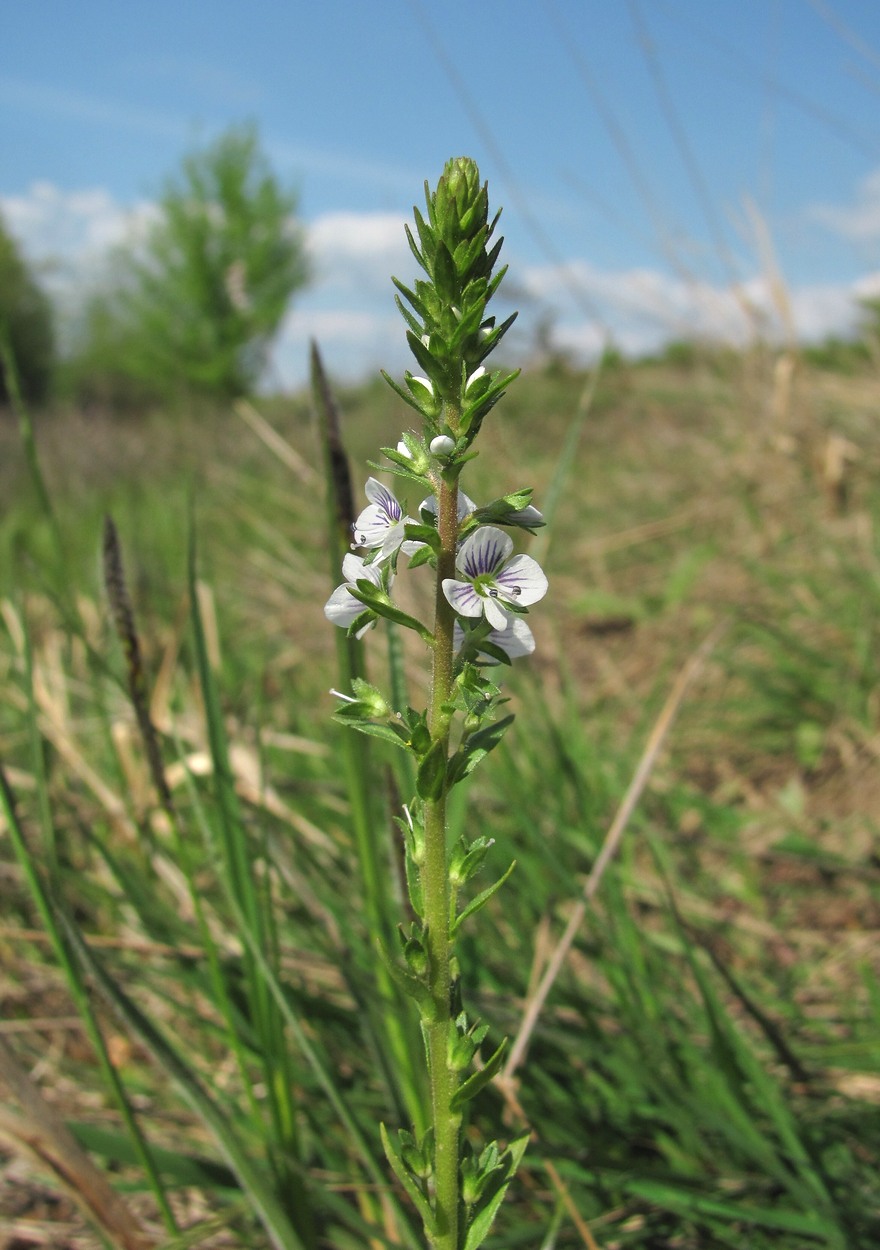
297,160
29,96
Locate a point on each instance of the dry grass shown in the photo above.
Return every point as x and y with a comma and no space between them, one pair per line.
695,497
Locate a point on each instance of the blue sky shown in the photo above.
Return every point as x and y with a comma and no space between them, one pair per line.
655,158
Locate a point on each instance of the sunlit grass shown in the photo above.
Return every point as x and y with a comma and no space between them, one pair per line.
706,1072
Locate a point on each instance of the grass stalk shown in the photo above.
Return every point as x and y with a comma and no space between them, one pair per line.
657,737
68,961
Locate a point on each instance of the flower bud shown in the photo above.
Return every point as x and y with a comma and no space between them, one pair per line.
442,445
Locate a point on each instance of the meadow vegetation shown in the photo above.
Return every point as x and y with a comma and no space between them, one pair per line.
706,1069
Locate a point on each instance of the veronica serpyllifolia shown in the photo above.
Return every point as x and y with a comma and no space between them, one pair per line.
483,591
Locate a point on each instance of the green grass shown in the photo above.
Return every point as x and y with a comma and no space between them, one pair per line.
706,1072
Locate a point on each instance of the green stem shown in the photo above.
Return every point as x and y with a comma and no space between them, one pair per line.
437,895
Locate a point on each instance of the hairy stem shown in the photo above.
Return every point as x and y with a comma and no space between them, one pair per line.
436,890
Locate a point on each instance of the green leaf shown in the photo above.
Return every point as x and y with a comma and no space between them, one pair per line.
403,394
423,534
487,1209
411,985
175,1166
421,353
690,1203
478,1080
370,728
431,776
409,1183
378,601
481,900
413,299
423,556
474,414
476,748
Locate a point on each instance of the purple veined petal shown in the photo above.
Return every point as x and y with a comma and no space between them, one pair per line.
383,499
522,579
495,614
517,640
371,527
463,597
484,551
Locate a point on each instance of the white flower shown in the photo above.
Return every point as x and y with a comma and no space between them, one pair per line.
465,505
529,517
475,377
442,445
382,523
342,608
516,640
492,576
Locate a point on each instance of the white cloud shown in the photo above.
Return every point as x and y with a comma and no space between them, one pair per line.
643,308
858,222
72,227
349,309
359,250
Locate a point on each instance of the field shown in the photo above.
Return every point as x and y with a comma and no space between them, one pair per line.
705,1071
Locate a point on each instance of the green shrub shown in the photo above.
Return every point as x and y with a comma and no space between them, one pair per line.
194,310
26,318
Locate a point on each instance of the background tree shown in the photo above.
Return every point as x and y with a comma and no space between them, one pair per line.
26,318
196,306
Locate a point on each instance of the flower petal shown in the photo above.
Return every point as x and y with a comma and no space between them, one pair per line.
466,505
382,497
484,551
393,539
528,516
517,640
342,608
463,597
495,615
353,567
371,527
522,580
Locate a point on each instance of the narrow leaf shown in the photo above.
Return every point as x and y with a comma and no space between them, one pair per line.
481,900
408,1182
478,1080
483,1216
